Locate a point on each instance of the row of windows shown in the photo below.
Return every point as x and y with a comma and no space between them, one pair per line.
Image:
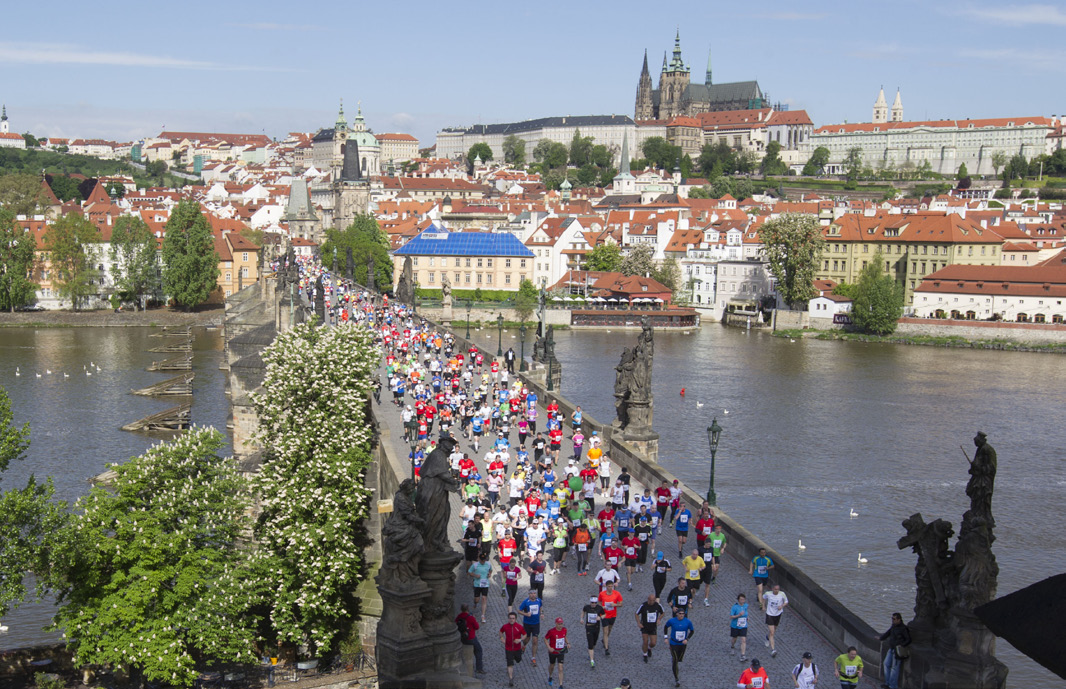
481,262
465,278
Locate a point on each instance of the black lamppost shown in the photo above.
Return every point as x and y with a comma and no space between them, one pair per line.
714,433
522,368
499,332
467,319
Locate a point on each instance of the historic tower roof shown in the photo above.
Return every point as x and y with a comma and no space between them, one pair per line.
677,64
707,80
351,171
897,108
623,168
299,206
880,107
644,69
342,124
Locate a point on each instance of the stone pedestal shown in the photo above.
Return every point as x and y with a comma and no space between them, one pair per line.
961,654
554,369
403,648
446,312
438,612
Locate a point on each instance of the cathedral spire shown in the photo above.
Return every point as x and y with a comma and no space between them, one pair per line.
664,60
707,79
623,168
897,108
341,123
880,108
644,69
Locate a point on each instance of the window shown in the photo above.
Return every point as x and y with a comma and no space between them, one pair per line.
414,261
468,278
970,251
229,276
522,264
479,263
488,262
479,278
468,262
244,256
507,278
506,263
431,277
244,271
430,261
488,278
457,275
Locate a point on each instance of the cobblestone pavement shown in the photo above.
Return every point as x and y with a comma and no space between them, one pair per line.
707,664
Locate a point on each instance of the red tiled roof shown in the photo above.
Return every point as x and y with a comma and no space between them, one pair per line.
934,124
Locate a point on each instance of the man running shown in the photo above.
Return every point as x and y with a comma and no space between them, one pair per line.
805,674
557,643
848,668
693,566
630,550
684,516
680,596
738,626
512,635
717,541
754,677
776,602
648,615
759,569
481,571
678,630
659,569
611,601
591,615
530,612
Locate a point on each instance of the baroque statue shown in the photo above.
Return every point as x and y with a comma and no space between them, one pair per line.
402,534
435,486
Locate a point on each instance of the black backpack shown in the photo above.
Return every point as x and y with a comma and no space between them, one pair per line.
460,622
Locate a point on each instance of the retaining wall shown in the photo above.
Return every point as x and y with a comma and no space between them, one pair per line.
1029,333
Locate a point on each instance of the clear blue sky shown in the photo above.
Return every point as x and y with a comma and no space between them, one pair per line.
123,70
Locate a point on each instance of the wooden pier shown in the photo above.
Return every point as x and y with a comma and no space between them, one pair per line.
176,331
177,418
173,347
177,363
178,386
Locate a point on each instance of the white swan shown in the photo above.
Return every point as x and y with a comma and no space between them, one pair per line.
801,546
725,411
48,371
17,372
3,627
699,405
66,375
88,373
38,375
862,560
853,513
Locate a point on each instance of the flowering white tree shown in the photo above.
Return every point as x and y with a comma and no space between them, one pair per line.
316,437
145,580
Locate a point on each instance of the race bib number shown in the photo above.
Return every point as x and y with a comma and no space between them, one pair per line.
613,560
742,623
679,635
582,547
716,544
756,682
643,536
534,610
706,531
539,576
507,552
850,670
693,573
761,570
661,570
682,520
608,605
682,600
560,644
593,618
631,552
652,617
708,556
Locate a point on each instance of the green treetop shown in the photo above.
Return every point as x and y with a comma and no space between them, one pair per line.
793,244
190,262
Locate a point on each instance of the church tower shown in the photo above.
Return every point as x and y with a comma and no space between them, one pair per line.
897,108
707,79
644,109
340,136
3,117
880,108
673,84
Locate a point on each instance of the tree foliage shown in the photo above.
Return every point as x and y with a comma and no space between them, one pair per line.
190,262
148,580
316,434
526,300
17,261
606,257
815,165
72,244
639,260
877,304
853,163
999,159
771,163
65,188
580,149
661,153
365,238
134,259
556,155
540,151
514,150
668,272
20,193
480,149
793,244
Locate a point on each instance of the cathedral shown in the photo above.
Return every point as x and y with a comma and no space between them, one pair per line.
677,95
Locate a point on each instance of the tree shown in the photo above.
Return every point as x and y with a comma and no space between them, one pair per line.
556,156
668,273
31,140
540,151
156,169
815,165
20,194
606,257
601,156
147,583
853,163
639,260
661,153
314,428
134,259
65,188
771,163
526,300
17,260
72,244
878,299
514,150
999,159
580,149
963,173
793,244
480,149
716,160
1017,168
587,175
699,193
190,262
365,238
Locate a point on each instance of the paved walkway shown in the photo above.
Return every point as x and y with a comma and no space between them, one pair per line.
708,663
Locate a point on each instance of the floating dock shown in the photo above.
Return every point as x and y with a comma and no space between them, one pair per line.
177,363
177,418
178,386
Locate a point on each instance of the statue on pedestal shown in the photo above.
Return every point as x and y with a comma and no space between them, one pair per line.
405,288
320,301
632,385
349,264
402,534
371,275
435,486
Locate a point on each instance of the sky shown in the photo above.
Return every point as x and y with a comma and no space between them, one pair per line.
120,71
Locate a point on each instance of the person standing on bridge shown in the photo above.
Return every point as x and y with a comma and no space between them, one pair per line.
678,630
509,357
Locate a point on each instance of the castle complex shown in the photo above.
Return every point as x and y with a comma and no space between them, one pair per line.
677,95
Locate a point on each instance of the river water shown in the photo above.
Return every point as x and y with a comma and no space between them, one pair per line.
75,421
814,429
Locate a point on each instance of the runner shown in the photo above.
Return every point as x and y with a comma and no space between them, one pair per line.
607,575
530,612
659,569
754,677
581,539
630,550
718,542
759,569
481,571
648,615
511,573
805,674
513,637
738,626
680,596
678,630
693,565
591,615
536,569
776,602
681,528
611,601
848,668
557,643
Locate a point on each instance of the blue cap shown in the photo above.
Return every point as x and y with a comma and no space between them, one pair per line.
659,555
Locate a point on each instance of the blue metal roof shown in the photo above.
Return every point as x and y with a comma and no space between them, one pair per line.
436,242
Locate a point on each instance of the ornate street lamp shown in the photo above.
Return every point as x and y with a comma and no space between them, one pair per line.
499,332
522,338
468,319
714,433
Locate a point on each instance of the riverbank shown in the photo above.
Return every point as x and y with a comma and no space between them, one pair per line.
107,318
925,340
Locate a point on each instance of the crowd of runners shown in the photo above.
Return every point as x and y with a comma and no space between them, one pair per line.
541,499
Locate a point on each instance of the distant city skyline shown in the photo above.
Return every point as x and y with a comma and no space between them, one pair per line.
124,73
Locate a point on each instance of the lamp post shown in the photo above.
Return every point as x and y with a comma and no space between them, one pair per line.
467,319
714,433
522,368
499,333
